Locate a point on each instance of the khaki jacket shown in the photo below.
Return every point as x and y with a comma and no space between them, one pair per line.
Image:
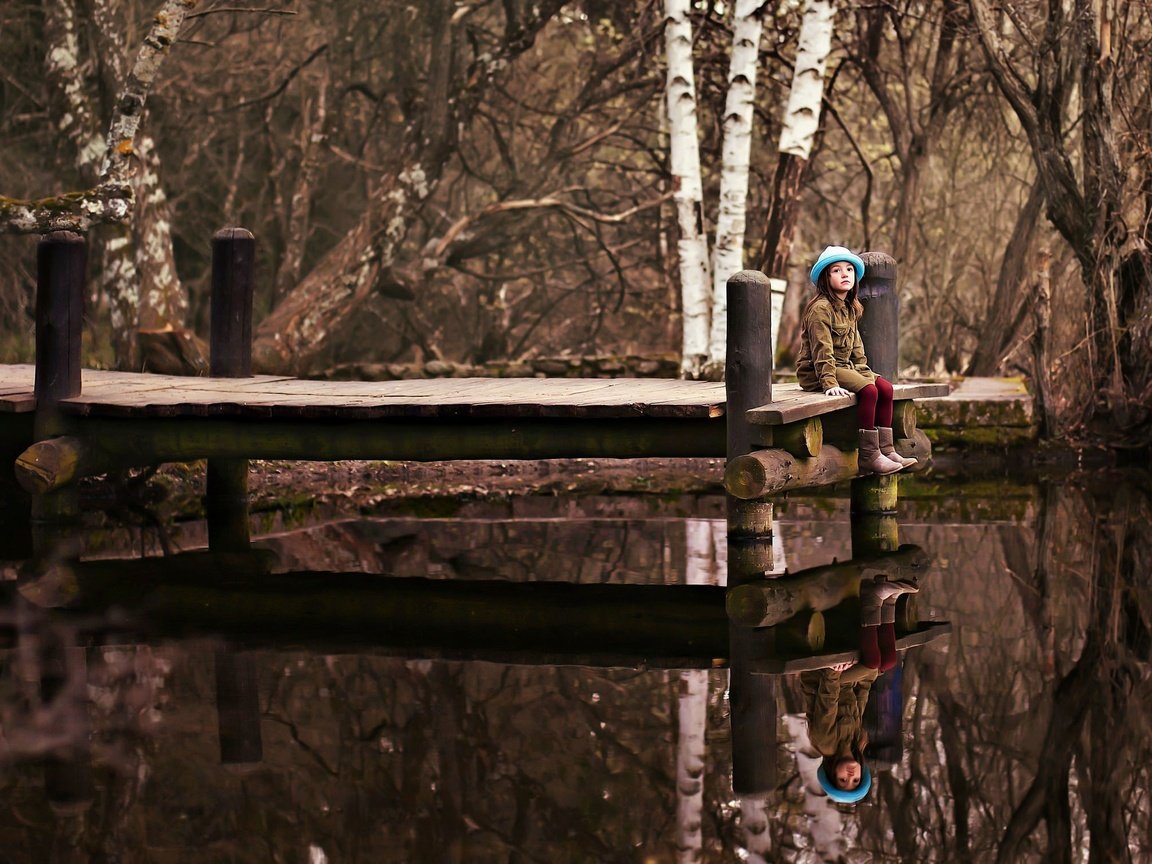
836,703
829,340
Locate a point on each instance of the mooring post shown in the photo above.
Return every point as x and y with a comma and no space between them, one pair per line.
874,497
748,384
233,278
226,502
880,323
61,264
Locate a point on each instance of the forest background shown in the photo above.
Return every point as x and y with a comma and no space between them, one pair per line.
491,181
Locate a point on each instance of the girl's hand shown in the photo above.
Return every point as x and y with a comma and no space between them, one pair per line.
837,391
842,667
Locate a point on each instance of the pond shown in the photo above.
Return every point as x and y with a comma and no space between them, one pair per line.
297,703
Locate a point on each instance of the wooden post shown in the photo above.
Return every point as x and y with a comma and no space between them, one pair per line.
233,269
880,324
748,384
61,261
233,279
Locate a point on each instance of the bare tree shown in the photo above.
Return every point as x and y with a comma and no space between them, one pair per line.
1066,48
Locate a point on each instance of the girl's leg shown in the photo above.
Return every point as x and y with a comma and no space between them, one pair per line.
884,424
866,407
870,646
886,647
883,402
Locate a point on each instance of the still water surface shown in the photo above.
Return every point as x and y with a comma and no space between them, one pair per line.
249,723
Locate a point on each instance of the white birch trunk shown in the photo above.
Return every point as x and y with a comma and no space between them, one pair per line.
825,824
702,567
77,121
755,826
802,115
728,255
684,152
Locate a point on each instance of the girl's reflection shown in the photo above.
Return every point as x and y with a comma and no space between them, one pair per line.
837,695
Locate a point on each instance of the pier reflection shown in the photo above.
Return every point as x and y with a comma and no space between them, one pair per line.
243,697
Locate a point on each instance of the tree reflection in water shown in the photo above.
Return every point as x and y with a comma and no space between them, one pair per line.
1027,740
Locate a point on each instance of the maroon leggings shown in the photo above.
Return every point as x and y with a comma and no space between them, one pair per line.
878,647
874,405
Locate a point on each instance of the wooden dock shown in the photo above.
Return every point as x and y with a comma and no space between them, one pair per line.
133,414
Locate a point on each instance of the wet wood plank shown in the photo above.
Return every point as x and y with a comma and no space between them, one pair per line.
120,394
929,631
790,404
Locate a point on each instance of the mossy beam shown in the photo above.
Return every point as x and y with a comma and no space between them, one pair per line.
768,602
185,439
803,438
763,473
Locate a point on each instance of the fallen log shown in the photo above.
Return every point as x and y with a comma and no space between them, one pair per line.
762,473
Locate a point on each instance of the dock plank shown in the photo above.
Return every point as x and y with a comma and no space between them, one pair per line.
790,403
125,395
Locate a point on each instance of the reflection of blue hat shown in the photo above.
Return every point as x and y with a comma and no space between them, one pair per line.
842,795
831,255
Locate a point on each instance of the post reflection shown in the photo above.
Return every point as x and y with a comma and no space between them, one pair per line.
998,747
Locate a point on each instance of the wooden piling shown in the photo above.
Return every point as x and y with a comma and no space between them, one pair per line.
61,262
747,384
233,281
880,323
874,499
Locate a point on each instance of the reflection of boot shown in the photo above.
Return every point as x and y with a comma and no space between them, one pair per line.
878,599
891,592
888,447
871,460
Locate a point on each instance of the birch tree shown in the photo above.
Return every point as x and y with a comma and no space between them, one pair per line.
728,256
801,122
702,540
137,269
688,190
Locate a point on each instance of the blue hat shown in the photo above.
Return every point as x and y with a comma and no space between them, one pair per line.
831,255
841,795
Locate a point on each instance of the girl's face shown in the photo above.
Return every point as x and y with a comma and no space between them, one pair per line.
848,774
841,278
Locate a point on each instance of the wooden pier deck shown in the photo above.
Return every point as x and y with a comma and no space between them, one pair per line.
126,394
128,418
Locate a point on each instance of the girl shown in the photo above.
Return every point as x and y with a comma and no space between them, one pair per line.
838,695
832,357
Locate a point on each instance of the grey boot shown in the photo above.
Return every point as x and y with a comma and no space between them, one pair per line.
871,460
888,447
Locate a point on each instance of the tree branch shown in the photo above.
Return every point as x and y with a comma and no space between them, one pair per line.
111,200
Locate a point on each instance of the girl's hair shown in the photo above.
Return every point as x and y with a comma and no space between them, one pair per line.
824,289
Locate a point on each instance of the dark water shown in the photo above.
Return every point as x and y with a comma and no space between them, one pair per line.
206,712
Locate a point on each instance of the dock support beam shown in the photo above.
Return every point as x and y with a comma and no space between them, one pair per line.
748,384
61,266
226,502
233,268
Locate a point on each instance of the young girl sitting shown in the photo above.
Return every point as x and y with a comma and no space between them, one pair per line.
832,357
